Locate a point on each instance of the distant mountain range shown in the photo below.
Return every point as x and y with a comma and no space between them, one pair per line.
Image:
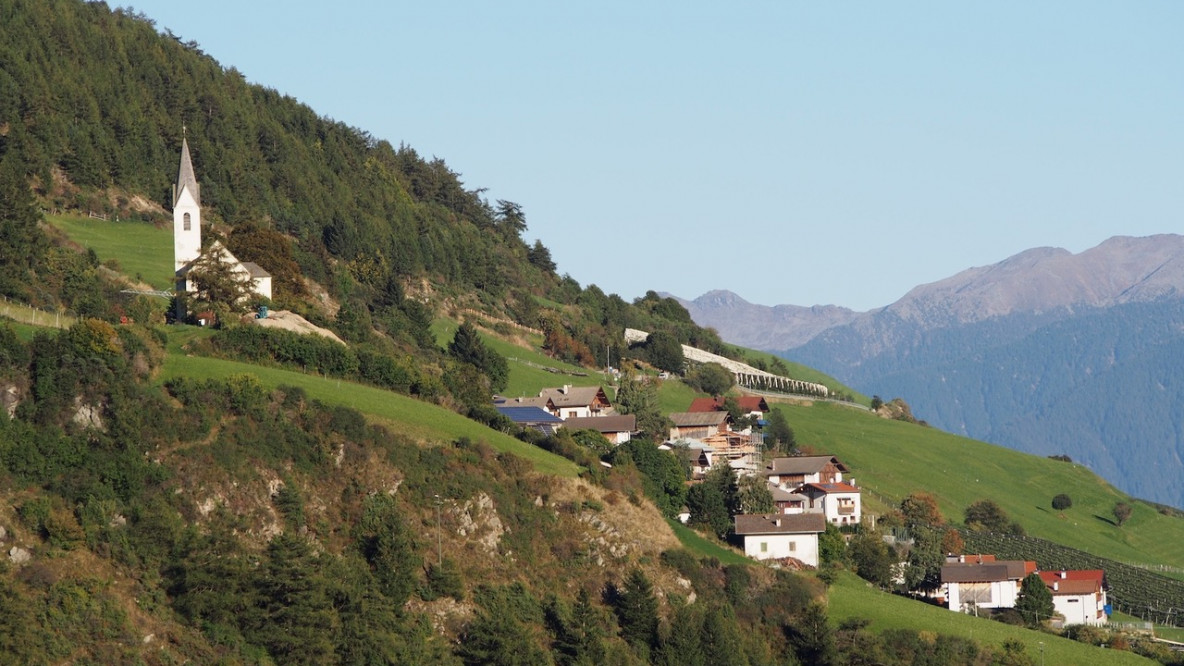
1047,351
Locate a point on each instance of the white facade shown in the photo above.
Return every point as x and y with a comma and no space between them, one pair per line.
776,546
839,503
1081,608
187,235
966,597
186,213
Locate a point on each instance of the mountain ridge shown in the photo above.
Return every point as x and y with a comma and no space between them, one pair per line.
995,352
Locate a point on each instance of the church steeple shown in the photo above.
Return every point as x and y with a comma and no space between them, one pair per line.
185,177
186,212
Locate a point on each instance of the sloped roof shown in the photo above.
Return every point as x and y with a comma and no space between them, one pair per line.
255,270
1075,582
782,495
780,523
528,414
693,419
185,176
828,488
801,465
988,572
533,401
747,403
613,423
574,396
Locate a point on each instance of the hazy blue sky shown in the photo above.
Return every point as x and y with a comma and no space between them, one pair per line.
792,152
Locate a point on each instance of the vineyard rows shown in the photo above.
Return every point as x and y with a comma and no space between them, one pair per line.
1134,591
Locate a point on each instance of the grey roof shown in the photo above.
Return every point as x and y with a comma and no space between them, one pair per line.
987,572
692,419
780,523
801,465
532,401
528,414
782,495
255,270
185,176
613,423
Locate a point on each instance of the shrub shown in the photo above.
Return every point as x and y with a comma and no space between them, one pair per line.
1061,502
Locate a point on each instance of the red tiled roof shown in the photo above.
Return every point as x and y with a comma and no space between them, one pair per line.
1080,581
832,487
747,403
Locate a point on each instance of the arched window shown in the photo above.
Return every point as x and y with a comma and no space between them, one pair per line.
185,225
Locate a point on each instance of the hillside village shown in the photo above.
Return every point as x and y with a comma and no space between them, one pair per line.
808,495
381,484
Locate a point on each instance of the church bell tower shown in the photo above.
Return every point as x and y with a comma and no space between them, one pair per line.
186,212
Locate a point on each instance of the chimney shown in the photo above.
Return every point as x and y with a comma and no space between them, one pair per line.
777,522
565,389
1064,574
1056,586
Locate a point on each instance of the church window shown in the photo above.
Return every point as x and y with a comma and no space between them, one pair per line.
185,225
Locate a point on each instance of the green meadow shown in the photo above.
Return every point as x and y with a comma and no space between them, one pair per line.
891,459
141,250
419,420
852,597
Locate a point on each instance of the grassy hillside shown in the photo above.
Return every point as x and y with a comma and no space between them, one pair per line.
852,597
140,250
892,459
419,420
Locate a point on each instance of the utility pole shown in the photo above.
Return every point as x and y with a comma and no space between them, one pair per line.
439,534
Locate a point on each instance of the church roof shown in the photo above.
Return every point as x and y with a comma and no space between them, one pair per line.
185,176
255,270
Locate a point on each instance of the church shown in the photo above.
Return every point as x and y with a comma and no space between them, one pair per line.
187,236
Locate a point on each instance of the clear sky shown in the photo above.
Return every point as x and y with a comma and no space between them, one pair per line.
792,152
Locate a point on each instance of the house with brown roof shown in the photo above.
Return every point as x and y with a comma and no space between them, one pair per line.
616,428
775,536
793,472
980,581
698,425
1079,595
565,402
750,405
577,401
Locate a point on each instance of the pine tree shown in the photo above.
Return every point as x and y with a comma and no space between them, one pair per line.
637,612
1034,602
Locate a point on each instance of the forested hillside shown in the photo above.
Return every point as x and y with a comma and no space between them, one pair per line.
94,103
175,494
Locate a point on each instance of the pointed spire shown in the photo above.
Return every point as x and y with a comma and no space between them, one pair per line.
185,176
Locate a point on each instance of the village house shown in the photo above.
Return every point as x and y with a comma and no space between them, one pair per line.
839,502
698,425
1079,595
787,501
750,405
778,536
794,472
565,402
531,417
980,581
616,428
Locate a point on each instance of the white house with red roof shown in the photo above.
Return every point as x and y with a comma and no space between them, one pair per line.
1079,595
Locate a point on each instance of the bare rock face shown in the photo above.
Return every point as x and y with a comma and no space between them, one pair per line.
10,398
479,520
19,555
